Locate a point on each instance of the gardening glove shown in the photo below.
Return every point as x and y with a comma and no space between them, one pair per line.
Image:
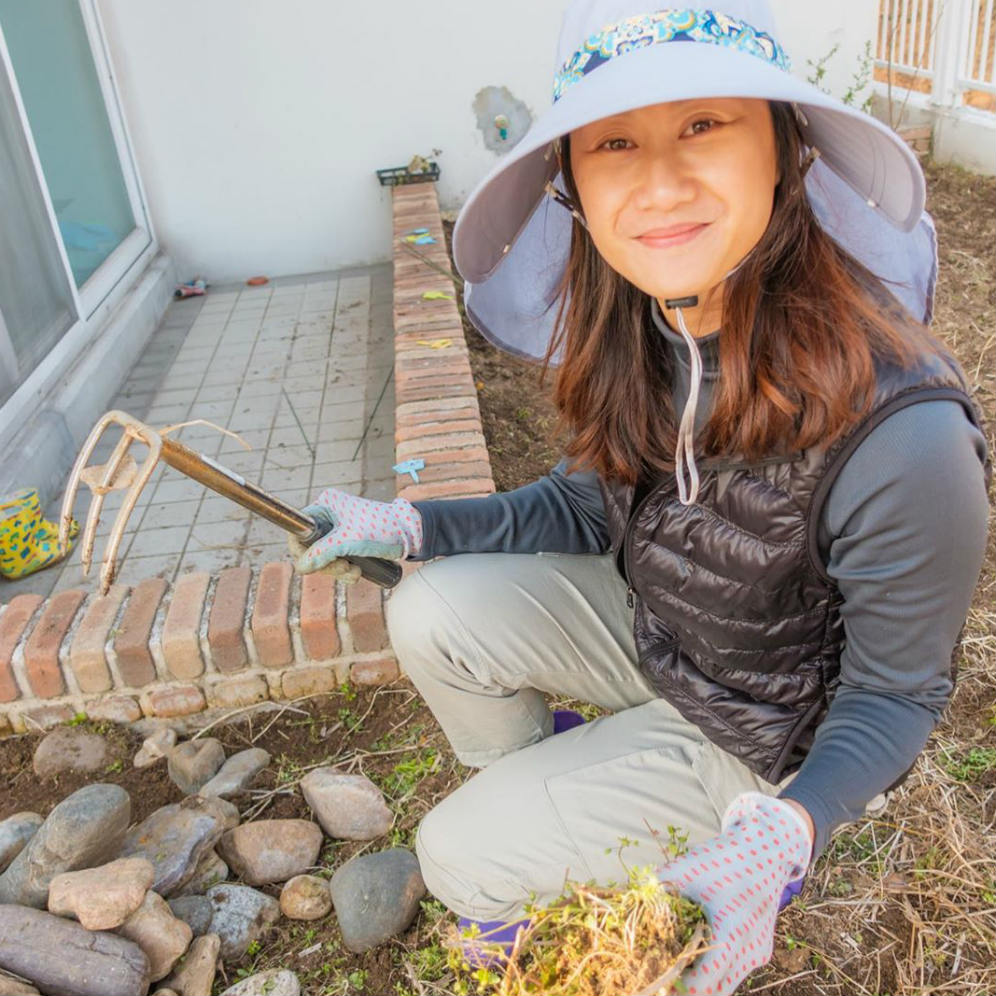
739,878
358,528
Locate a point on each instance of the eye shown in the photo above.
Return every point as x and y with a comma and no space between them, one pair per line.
701,126
615,144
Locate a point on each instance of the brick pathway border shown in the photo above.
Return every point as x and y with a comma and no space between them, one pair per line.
246,635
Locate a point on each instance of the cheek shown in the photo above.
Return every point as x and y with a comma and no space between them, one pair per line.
755,195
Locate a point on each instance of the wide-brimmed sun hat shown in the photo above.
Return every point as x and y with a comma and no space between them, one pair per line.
511,240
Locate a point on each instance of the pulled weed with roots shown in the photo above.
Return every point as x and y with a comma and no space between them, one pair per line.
633,941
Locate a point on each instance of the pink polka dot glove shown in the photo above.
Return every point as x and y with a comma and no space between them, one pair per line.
738,879
359,528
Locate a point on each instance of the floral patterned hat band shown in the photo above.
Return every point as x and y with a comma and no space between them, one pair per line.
677,25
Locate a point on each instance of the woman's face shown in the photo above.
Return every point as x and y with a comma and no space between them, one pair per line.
675,195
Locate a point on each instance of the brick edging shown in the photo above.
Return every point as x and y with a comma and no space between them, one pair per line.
437,418
153,650
247,635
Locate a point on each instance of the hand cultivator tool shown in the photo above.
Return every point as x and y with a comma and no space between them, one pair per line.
122,472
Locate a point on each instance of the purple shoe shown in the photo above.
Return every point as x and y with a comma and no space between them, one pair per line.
566,719
490,947
790,892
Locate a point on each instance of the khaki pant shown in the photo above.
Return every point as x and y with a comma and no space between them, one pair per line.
485,638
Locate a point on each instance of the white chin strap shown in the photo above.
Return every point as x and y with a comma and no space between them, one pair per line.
684,450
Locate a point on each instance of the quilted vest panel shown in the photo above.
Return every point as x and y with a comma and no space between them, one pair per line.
736,621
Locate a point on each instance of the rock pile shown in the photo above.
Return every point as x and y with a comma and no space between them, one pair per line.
91,905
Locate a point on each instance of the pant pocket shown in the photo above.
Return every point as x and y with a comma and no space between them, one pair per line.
617,813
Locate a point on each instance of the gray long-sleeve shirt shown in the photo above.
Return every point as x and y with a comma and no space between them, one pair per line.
902,533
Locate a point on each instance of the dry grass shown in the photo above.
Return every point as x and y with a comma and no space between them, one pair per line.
626,941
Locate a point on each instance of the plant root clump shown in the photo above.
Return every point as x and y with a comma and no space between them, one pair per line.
633,941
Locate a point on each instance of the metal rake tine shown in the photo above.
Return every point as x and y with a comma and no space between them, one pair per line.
73,484
134,430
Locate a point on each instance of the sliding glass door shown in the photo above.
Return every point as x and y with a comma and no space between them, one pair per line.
73,215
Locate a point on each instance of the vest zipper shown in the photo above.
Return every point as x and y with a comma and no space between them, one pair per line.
641,500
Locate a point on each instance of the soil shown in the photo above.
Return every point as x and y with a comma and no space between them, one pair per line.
895,905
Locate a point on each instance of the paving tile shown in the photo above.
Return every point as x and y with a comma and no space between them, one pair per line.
219,535
164,514
336,474
217,508
242,421
210,561
279,477
153,542
253,556
178,489
136,569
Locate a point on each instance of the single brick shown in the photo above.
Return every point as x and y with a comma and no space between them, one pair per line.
446,472
456,441
131,645
365,612
44,717
318,630
419,410
41,652
448,428
469,488
270,628
178,700
428,372
181,640
13,622
114,709
227,619
298,682
378,672
87,653
464,390
231,693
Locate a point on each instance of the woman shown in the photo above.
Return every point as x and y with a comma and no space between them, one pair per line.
762,544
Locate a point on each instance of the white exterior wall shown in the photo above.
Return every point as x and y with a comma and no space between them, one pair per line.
258,124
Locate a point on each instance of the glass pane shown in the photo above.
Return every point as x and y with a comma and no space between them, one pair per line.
35,298
58,82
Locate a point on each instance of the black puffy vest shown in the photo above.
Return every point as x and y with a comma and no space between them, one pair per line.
737,623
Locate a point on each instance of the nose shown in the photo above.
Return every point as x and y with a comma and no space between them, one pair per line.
662,181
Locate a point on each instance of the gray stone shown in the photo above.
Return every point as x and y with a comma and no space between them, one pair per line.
102,898
155,746
210,870
241,916
194,973
376,896
268,851
194,911
237,773
85,829
68,748
176,837
59,956
275,982
194,762
10,985
305,897
349,807
162,936
15,832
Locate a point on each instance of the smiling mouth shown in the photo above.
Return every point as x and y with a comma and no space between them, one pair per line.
673,235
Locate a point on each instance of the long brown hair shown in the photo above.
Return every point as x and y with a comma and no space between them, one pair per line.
803,322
